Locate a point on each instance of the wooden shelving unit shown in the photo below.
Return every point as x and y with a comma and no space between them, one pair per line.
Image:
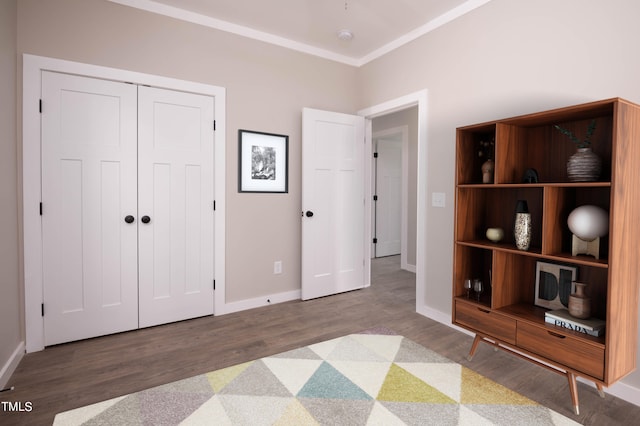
505,316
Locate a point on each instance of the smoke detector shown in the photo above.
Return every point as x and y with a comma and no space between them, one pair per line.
345,35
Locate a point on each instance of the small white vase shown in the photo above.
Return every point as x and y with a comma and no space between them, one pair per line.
495,234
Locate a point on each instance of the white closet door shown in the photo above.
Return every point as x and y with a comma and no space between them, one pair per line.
88,188
176,193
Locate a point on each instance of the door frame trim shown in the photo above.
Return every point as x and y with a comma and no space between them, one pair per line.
31,175
420,99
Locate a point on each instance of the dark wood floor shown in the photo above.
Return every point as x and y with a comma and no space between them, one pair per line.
67,376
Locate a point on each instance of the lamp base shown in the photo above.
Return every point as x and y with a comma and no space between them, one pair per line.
580,246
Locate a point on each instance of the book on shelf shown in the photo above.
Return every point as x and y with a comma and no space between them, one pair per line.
562,318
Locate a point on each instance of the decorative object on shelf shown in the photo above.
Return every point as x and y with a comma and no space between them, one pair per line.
579,302
588,223
562,317
478,288
487,171
495,234
584,165
530,176
263,162
554,285
486,150
468,286
522,226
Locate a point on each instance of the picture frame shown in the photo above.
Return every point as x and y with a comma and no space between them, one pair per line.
263,162
554,283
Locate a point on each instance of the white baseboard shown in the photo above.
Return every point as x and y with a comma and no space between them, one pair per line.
10,366
624,391
408,267
258,302
620,390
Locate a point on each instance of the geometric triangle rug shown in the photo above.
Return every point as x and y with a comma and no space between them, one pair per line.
359,379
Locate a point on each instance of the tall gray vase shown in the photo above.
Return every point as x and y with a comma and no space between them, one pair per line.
522,227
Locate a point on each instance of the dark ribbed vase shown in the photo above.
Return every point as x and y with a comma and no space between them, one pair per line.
584,166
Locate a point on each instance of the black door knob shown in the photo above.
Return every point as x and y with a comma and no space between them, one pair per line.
309,213
145,219
129,219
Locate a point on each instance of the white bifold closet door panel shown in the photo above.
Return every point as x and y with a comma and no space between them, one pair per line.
127,193
89,186
176,188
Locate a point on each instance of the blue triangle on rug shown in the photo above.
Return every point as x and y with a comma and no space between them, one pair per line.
327,382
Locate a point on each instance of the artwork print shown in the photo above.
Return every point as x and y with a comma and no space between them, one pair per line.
262,162
554,284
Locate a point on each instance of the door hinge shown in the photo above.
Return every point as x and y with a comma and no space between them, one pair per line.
42,308
40,106
214,284
214,125
214,205
375,155
40,209
375,241
375,198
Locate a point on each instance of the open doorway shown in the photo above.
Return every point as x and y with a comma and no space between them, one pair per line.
419,101
394,182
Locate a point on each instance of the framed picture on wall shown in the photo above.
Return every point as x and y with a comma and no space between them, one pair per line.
263,162
554,284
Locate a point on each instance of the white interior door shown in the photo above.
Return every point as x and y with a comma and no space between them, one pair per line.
88,188
388,206
176,193
333,203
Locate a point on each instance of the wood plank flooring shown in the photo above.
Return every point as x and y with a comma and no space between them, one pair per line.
71,375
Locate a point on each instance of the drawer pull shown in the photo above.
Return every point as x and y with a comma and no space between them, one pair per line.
484,311
559,336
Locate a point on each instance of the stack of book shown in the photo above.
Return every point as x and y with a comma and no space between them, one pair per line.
562,318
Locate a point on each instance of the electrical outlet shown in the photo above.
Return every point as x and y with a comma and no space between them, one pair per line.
277,267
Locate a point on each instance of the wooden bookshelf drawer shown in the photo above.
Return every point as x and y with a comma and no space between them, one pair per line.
486,321
570,351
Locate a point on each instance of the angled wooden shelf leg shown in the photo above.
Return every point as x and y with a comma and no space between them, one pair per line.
600,390
573,388
474,347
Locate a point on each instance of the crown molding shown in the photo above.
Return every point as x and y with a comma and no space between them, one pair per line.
218,24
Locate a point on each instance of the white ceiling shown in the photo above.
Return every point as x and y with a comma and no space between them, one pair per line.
311,26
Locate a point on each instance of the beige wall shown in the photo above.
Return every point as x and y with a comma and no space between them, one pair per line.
409,118
267,87
506,58
10,307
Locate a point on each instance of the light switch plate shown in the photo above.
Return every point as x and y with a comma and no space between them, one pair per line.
437,199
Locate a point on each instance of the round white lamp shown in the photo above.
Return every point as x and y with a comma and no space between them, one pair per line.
588,223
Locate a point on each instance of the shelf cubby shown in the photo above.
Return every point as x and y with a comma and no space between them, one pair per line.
494,207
